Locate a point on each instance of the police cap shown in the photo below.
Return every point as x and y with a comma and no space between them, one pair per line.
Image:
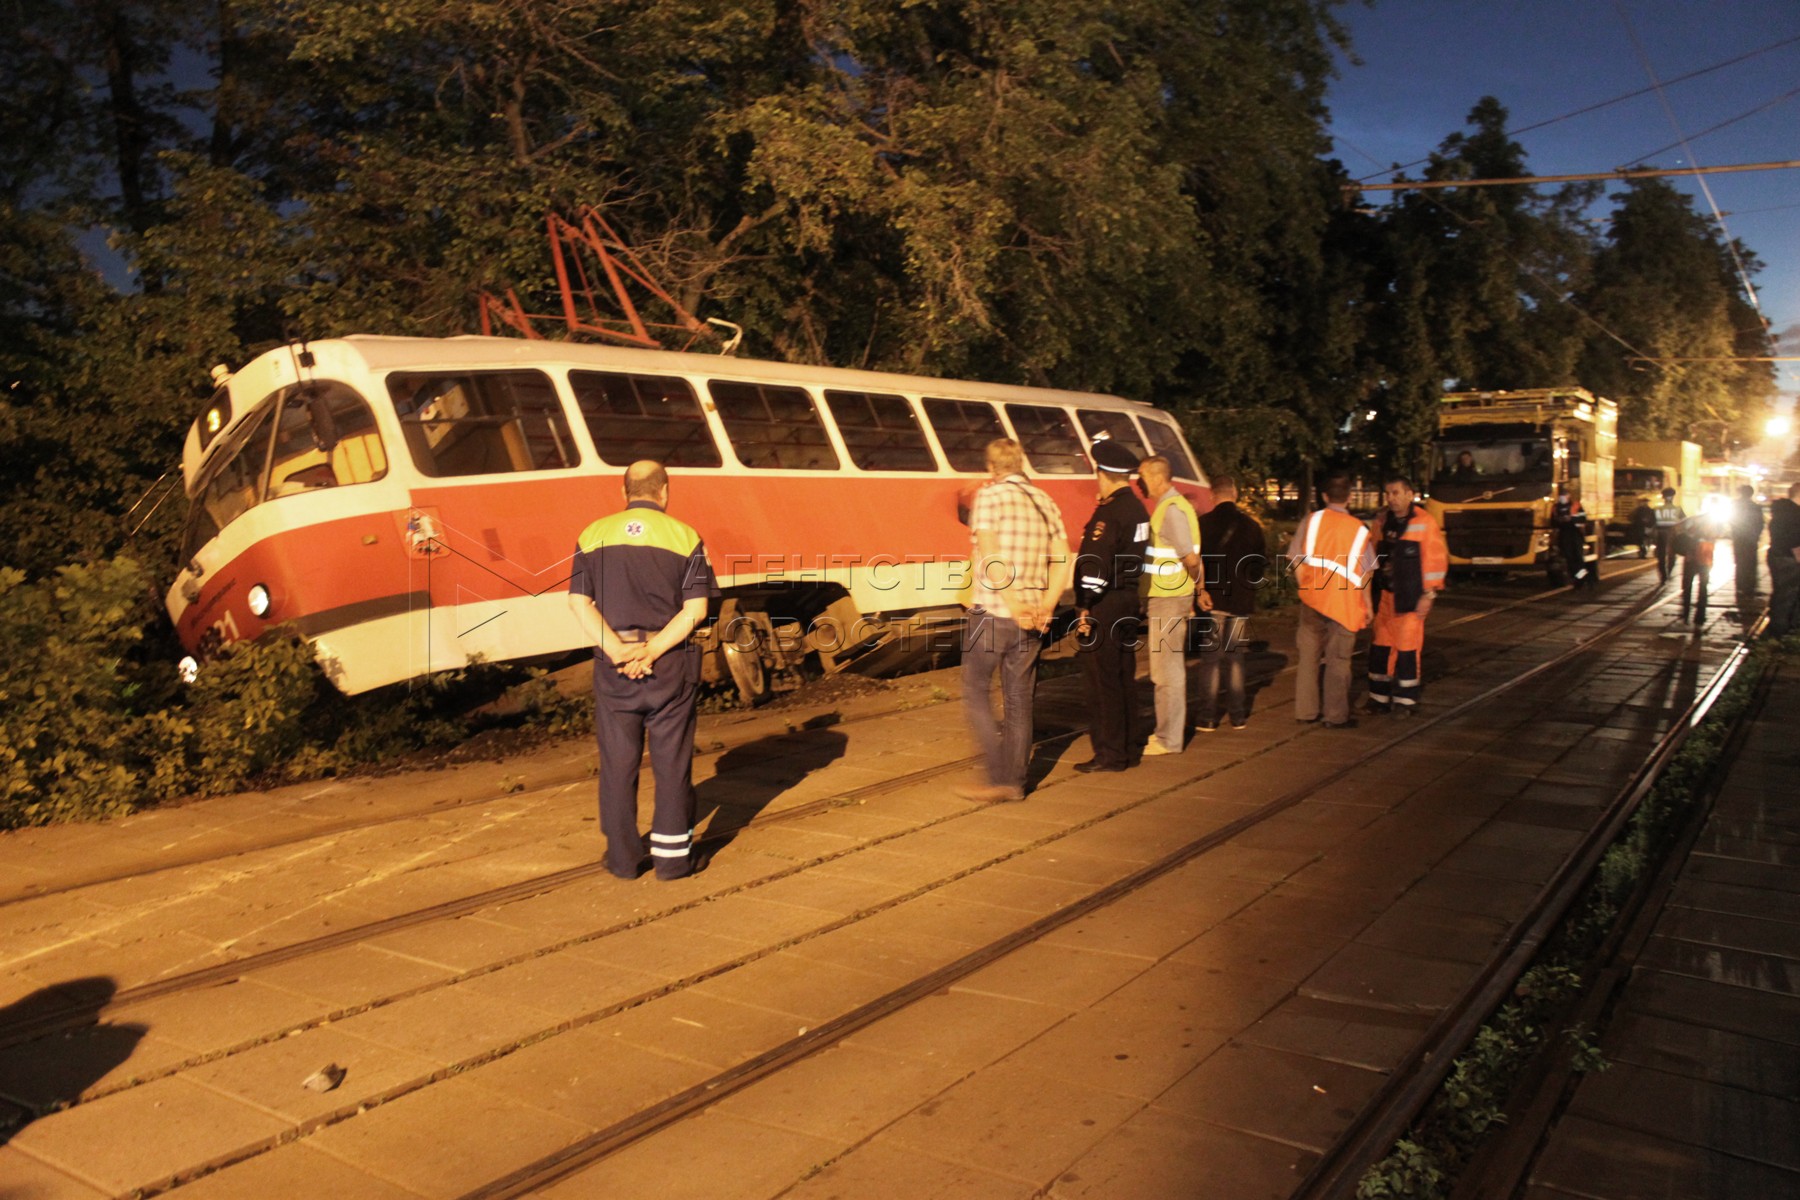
1113,458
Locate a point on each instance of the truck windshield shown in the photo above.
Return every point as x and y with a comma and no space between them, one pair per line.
1501,462
1638,479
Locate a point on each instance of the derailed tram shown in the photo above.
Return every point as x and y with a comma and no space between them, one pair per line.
411,504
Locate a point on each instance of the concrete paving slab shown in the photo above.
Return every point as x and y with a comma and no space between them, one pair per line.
270,1076
1780,850
1160,1153
807,988
1375,977
1054,975
1022,893
843,1095
1374,1039
405,1141
1231,948
61,1069
1748,1011
835,893
1679,1108
446,1025
1597,1161
1722,964
28,1178
1753,1064
1434,933
223,1015
1012,1121
1478,895
967,1028
652,950
195,1125
1057,863
350,975
712,1157
876,1171
461,944
292,1170
895,956
746,918
1294,1099
1128,1051
1777,877
562,985
702,1028
587,1076
1335,914
1758,935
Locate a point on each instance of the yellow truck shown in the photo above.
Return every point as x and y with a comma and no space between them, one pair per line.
1640,473
1496,462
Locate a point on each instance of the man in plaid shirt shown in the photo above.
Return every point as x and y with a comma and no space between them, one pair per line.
1021,562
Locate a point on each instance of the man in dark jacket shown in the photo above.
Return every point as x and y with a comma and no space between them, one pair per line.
1746,531
1784,563
1234,561
1107,570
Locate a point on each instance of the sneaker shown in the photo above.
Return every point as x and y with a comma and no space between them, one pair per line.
1095,765
1206,726
1239,723
1155,747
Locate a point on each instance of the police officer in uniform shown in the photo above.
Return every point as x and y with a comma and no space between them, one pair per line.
1668,515
1107,570
639,587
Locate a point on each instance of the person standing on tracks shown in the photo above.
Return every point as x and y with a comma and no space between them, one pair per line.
1570,524
1414,561
1021,565
1107,569
1171,568
1746,531
1236,561
1668,515
1643,526
1333,562
639,587
1693,541
1784,563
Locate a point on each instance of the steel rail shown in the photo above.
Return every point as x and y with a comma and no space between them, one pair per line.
1412,1084
579,1155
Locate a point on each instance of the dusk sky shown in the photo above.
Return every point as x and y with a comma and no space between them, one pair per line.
1424,64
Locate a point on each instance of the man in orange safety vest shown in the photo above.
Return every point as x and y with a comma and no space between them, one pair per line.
1333,561
1414,561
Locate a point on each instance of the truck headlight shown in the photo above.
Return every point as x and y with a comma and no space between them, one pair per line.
258,599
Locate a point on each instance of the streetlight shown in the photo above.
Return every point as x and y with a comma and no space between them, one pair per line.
1777,427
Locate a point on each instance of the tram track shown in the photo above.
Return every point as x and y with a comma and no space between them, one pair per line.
804,728
52,1019
810,1042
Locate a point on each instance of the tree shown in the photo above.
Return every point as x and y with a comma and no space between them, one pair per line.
1666,287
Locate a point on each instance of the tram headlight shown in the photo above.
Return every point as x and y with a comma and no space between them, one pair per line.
188,669
258,598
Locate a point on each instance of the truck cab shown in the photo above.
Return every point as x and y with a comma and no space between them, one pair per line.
1496,463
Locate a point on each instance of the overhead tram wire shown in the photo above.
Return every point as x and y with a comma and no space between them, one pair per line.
1763,107
1695,74
1705,188
1548,285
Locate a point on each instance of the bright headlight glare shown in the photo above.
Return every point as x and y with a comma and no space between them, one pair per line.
259,600
188,669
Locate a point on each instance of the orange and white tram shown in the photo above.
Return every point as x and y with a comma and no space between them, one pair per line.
411,504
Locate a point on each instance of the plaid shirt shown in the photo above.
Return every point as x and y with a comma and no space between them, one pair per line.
1023,520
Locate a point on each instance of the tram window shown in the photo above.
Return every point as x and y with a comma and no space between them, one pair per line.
964,429
772,426
325,436
233,484
1048,436
632,417
1115,425
482,423
880,431
1166,442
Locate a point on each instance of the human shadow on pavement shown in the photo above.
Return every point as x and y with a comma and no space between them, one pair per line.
751,776
45,1073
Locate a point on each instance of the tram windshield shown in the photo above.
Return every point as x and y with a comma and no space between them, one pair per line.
311,435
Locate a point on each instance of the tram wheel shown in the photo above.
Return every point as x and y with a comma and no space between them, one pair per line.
747,671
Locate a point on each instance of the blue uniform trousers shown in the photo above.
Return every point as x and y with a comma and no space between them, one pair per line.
625,710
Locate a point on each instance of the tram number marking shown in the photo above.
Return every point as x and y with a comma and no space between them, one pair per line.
226,628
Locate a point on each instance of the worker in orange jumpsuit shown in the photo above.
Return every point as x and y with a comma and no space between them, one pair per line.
1414,560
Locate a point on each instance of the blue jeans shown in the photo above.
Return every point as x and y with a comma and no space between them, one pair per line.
1222,654
991,644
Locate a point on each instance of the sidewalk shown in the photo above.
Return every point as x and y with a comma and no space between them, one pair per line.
1705,1042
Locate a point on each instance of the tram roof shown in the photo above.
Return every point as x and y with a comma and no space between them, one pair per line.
381,352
